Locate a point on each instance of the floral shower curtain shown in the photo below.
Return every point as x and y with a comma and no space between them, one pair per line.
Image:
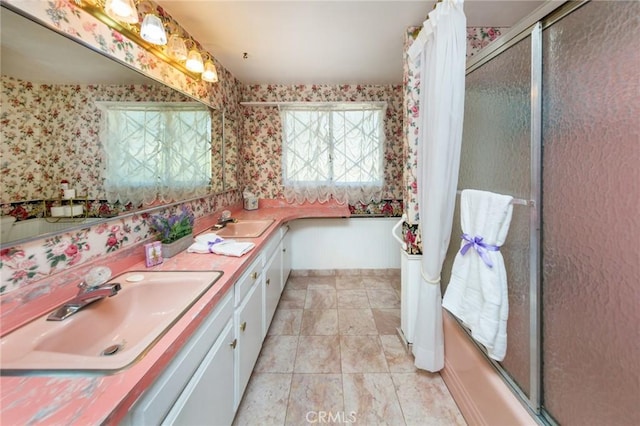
440,51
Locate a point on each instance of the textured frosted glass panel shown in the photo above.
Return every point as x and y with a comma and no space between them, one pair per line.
496,157
591,137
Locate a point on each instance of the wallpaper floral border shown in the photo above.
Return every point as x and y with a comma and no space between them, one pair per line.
477,39
261,153
26,263
35,268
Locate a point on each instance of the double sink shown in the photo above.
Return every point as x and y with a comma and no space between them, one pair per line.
112,334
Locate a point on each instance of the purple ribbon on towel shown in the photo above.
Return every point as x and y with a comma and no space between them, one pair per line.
218,240
480,246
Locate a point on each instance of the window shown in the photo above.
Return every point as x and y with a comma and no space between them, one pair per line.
334,151
156,151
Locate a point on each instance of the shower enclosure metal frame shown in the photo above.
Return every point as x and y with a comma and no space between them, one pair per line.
532,26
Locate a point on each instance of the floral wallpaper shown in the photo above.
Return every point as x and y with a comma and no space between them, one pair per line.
32,269
27,263
477,39
52,132
35,268
261,152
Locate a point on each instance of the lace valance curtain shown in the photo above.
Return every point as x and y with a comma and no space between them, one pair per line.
333,151
155,151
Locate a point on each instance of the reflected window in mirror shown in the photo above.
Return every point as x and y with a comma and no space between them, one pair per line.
155,152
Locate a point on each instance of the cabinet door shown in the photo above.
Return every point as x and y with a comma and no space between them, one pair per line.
286,258
248,318
272,288
208,398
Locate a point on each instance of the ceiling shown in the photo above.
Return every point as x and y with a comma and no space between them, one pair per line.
320,42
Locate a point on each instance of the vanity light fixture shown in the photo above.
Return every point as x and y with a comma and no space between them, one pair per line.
122,11
210,72
177,48
122,16
194,61
152,30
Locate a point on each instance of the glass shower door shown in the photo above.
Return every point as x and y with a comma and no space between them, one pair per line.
496,157
591,178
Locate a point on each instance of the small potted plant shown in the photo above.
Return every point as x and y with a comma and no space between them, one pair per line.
175,231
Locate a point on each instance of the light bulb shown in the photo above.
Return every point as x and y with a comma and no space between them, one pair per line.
122,10
152,30
210,73
194,62
177,48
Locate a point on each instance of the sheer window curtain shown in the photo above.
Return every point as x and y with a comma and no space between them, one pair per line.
155,151
440,49
333,151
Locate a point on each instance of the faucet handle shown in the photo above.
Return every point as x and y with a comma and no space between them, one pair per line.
96,276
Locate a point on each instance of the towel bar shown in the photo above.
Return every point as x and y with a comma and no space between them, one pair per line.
517,201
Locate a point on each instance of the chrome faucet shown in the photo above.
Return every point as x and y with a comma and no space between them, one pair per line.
86,296
224,219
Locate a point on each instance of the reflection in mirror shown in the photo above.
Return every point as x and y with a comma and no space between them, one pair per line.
230,153
50,132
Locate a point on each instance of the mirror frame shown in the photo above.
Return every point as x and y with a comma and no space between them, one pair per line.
220,110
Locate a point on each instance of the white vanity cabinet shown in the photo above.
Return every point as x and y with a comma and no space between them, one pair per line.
248,323
272,286
205,382
197,383
207,399
286,255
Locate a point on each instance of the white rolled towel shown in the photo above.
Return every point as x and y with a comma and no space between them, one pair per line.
232,248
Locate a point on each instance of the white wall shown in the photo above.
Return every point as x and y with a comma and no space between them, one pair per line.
353,243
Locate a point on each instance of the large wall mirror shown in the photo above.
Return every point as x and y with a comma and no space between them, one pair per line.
51,87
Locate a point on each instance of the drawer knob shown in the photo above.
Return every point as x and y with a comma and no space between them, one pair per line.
234,343
254,275
268,281
284,250
243,326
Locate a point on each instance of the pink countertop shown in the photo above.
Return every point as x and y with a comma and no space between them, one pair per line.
105,399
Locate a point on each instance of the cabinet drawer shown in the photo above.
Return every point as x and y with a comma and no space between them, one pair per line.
247,280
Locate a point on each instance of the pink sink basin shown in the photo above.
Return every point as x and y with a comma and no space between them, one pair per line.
245,228
111,333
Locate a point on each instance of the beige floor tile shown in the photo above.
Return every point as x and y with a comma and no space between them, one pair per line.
349,282
286,322
320,322
265,400
318,354
292,299
322,280
278,355
387,320
425,400
353,299
383,298
398,358
362,354
297,283
371,398
377,281
356,322
343,359
314,395
321,297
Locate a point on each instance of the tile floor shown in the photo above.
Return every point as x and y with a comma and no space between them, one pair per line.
332,356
